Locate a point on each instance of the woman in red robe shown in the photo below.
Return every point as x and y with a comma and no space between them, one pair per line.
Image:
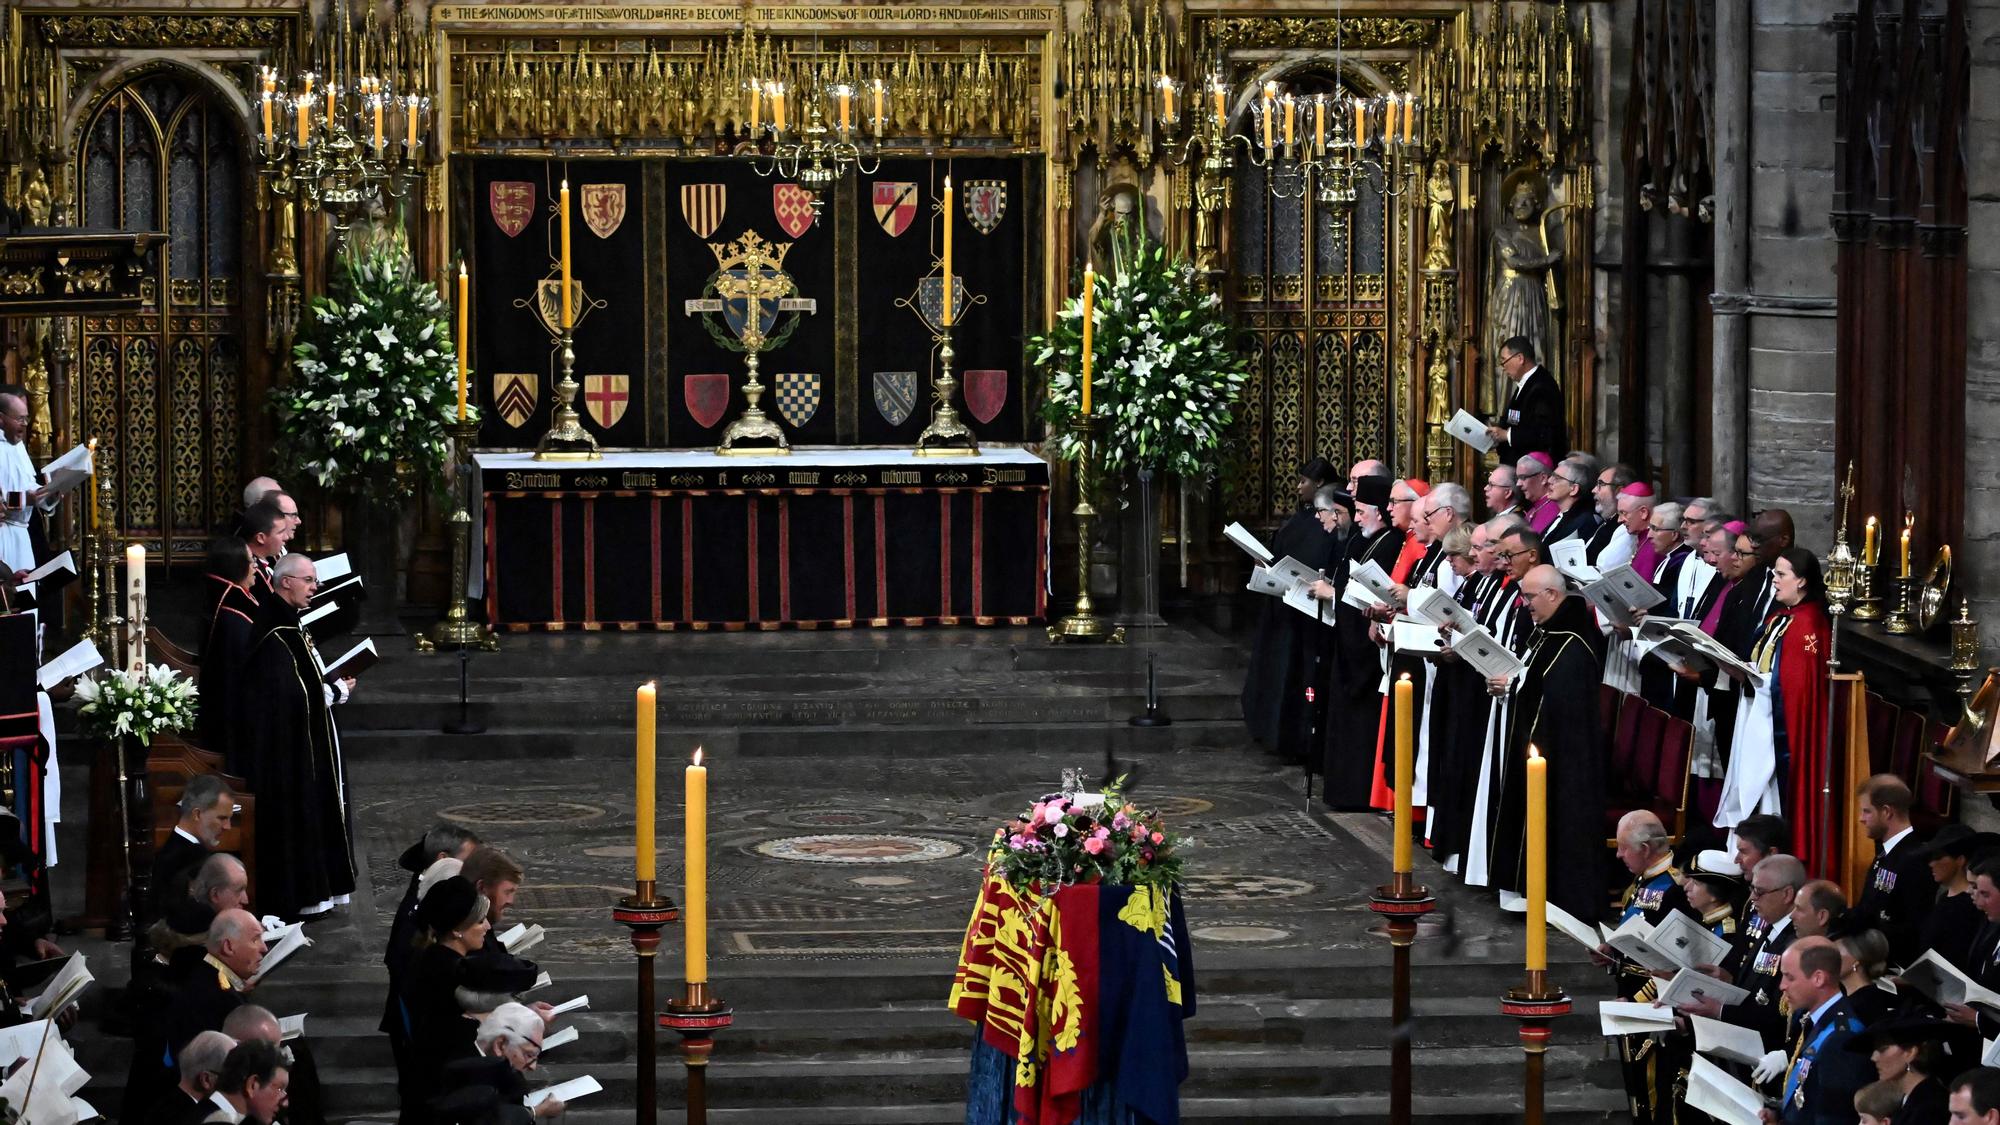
1778,753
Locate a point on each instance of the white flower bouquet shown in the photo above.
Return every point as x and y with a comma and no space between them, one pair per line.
1165,369
136,702
376,376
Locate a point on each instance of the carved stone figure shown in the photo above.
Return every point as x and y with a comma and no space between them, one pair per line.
1120,221
1438,194
1524,294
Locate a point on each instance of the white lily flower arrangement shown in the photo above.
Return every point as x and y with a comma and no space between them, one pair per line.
137,702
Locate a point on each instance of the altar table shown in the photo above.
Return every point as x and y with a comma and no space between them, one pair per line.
823,538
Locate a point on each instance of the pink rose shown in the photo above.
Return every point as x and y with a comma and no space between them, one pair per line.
1121,822
1061,830
1094,846
1053,812
1159,837
1138,833
1102,834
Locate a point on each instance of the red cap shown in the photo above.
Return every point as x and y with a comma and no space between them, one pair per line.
1419,487
1637,488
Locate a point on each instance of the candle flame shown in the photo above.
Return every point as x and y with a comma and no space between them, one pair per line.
697,755
1534,751
1405,677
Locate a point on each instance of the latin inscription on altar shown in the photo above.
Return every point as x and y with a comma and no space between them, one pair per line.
640,480
802,478
522,481
901,476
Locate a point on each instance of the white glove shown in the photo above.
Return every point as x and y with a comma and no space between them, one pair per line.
1769,1068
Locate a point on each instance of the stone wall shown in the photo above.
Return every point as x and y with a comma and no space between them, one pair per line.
1789,435
1980,558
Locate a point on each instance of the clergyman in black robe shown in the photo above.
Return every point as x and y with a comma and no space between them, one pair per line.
232,626
1556,710
292,759
1274,686
1458,698
1354,683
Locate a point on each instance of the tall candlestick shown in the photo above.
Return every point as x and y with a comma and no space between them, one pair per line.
568,313
464,308
1089,329
1538,860
94,513
950,311
647,785
1270,99
694,896
1868,545
1406,769
135,606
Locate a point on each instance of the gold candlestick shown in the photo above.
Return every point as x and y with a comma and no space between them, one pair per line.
1867,606
947,434
458,629
567,440
1082,623
1902,590
753,425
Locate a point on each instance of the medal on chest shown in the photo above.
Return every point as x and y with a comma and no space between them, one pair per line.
1885,880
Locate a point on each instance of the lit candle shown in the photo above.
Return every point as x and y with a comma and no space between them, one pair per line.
846,99
1089,329
305,123
1538,859
694,896
94,514
647,784
567,312
1270,98
1406,769
410,107
1906,551
880,92
1221,93
332,103
1360,137
1868,545
464,308
1409,118
135,606
1388,121
1291,109
377,106
756,108
1319,124
1167,99
778,106
949,310
268,130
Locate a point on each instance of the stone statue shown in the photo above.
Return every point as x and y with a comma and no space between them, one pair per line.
1438,194
35,198
1524,292
1120,223
1211,204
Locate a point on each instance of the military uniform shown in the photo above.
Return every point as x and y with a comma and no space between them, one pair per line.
1754,968
1898,895
1651,1063
1823,1075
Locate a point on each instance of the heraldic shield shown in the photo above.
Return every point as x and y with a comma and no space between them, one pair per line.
985,204
985,393
895,205
895,395
793,206
511,203
603,208
514,396
706,396
605,398
797,393
703,206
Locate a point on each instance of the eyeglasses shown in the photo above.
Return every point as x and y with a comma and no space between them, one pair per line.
1742,554
1402,499
1503,556
1759,892
1569,480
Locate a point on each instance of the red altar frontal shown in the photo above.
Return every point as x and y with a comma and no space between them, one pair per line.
823,538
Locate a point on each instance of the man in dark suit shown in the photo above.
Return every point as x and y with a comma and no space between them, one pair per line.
1822,1076
1753,965
1578,519
200,1065
207,807
1898,893
1533,420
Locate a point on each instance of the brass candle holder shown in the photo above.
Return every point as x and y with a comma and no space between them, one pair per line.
646,912
1901,620
947,435
458,629
567,440
1083,623
1965,649
753,425
111,625
1867,606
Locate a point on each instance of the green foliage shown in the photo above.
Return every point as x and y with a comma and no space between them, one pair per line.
376,377
1165,368
140,703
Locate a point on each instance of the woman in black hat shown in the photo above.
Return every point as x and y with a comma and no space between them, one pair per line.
1919,1055
1954,919
451,923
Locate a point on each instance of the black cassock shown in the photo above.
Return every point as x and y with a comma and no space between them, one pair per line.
1458,702
232,627
1274,688
291,760
1556,709
1354,685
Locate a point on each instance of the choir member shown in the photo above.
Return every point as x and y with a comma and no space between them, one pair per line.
1575,518
1611,543
265,533
1354,701
1488,727
21,491
1273,697
1531,476
232,623
1502,498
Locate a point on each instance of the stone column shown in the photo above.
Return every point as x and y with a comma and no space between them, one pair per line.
1729,381
1980,563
